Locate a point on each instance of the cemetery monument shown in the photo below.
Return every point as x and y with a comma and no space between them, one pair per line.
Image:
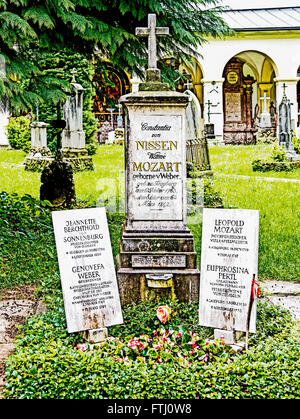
87,272
157,254
229,264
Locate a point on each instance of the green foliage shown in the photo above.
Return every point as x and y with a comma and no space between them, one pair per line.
278,153
277,162
57,66
167,362
296,142
276,166
18,133
84,26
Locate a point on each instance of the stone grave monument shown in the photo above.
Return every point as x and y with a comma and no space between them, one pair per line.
285,128
57,182
87,272
39,155
73,136
4,119
229,264
157,254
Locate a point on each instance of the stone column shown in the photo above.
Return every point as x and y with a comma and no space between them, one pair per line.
213,106
73,136
4,119
39,135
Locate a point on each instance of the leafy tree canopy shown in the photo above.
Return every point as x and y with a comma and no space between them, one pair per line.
28,28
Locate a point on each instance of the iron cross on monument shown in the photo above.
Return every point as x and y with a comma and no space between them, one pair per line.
152,31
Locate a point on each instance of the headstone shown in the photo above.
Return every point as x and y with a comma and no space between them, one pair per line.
229,263
73,136
285,128
155,238
39,155
87,272
265,117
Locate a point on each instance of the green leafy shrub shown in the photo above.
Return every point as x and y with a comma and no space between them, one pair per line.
18,133
170,362
278,153
276,166
296,142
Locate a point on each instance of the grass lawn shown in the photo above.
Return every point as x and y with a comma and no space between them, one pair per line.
278,201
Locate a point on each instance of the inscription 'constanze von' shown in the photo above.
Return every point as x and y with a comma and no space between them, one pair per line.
146,127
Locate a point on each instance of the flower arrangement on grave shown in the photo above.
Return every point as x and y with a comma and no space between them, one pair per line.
164,346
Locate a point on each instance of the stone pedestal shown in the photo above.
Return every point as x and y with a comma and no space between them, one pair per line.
39,156
155,239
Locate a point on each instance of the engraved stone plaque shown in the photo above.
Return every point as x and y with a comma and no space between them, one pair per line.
158,261
87,271
228,266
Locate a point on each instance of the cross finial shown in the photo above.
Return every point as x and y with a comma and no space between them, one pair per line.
284,86
265,98
73,72
152,31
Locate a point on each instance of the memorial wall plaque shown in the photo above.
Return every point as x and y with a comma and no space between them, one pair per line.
233,107
87,271
156,172
228,266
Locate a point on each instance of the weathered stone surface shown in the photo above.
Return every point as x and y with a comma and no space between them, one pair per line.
155,238
57,184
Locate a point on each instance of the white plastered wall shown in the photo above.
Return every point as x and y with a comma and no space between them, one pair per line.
283,52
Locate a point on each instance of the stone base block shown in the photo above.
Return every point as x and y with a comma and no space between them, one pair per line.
134,287
38,164
95,335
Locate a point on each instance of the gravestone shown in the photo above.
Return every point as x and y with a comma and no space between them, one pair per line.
39,155
4,120
229,263
87,272
285,128
155,239
265,116
73,136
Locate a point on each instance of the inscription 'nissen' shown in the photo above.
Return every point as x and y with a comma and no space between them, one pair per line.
156,145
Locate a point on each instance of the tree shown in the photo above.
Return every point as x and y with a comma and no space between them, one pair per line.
28,28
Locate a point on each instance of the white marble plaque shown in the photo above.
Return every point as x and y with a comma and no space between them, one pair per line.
155,168
228,263
87,271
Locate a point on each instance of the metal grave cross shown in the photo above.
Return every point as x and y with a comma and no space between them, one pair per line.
265,98
152,32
